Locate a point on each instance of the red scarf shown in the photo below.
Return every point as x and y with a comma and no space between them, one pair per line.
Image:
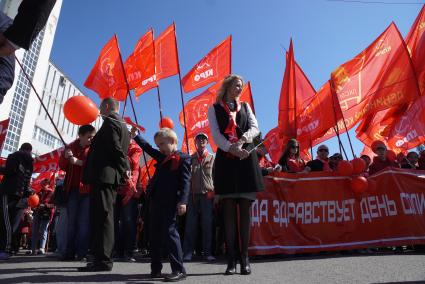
202,156
175,161
231,125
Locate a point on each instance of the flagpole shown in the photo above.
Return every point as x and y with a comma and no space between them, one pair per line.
41,101
125,105
181,91
343,118
336,127
129,95
157,84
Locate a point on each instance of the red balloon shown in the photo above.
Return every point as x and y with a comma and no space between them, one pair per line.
80,110
359,184
33,200
166,122
371,186
345,168
359,165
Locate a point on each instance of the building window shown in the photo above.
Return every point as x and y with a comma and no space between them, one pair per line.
46,138
21,95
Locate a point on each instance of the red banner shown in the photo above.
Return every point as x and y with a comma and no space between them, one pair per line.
319,212
48,162
212,68
107,78
140,65
166,60
3,131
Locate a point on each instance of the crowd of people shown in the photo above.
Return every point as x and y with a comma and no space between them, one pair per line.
99,209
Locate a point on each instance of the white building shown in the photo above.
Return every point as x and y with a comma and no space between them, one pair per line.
57,90
28,121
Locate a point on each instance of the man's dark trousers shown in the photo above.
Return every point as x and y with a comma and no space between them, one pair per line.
102,213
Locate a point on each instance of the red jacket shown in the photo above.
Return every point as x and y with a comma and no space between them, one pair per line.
74,173
134,153
379,165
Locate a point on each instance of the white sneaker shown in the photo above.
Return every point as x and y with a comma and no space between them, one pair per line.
4,255
41,251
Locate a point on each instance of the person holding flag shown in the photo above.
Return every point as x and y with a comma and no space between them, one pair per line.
237,176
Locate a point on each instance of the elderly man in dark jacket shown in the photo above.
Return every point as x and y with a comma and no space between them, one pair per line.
14,191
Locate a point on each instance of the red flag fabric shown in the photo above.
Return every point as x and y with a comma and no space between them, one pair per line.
197,113
212,68
166,60
48,162
36,183
415,41
3,131
140,65
246,96
107,78
274,144
287,125
143,175
380,77
130,122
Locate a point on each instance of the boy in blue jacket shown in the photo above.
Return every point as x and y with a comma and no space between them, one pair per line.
169,192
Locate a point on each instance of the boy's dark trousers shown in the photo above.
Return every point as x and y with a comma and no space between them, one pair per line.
163,233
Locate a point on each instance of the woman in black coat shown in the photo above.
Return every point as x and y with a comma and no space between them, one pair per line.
237,175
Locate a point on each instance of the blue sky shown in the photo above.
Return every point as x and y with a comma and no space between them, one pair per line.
325,35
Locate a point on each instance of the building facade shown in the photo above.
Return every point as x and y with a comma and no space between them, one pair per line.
57,90
28,120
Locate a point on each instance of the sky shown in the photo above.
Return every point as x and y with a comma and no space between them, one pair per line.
325,34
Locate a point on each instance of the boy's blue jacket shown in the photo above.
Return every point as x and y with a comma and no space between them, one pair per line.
168,185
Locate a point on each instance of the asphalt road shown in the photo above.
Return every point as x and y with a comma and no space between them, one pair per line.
377,268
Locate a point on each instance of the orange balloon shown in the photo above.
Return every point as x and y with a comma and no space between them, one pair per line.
345,168
359,165
359,184
33,200
166,122
80,110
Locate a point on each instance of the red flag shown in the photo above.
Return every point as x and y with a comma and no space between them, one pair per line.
3,131
48,162
322,112
107,78
409,130
130,122
415,41
36,183
212,68
274,144
380,77
287,125
140,65
166,60
143,174
197,113
246,96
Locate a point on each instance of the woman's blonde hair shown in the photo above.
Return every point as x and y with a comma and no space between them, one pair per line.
166,133
225,85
